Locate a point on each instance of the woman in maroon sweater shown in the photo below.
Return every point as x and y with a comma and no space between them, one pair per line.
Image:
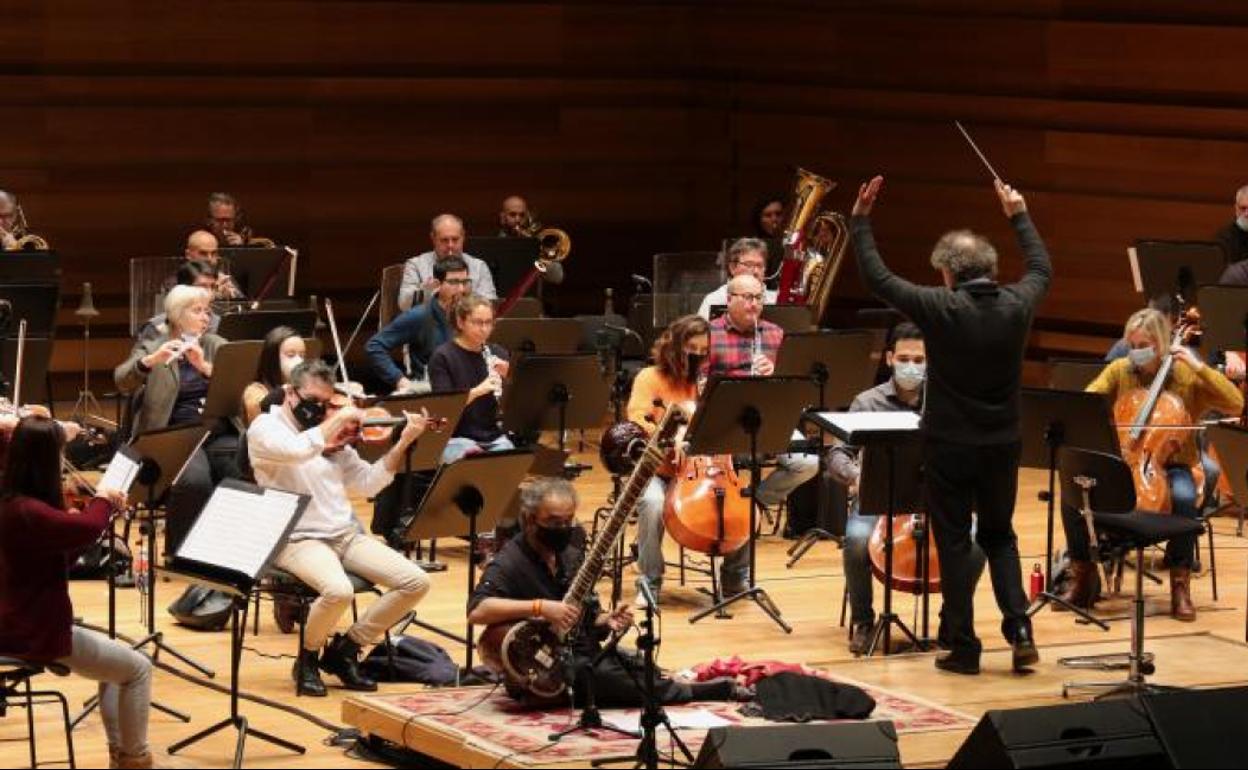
38,538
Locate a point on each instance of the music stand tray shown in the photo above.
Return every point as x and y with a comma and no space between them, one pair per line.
1169,267
165,453
556,393
30,267
752,416
1224,318
426,454
234,368
466,497
36,302
815,355
252,266
509,259
1052,419
255,324
1074,373
1232,444
544,336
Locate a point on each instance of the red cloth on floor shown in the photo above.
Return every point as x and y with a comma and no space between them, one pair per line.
747,672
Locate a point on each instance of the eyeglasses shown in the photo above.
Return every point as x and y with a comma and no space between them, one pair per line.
752,265
458,281
480,322
748,298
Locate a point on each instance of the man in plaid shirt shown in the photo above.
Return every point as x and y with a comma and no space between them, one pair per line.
742,343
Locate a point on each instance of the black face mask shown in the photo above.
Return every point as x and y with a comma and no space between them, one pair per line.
554,538
309,413
693,366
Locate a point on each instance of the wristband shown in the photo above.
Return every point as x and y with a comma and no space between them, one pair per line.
537,608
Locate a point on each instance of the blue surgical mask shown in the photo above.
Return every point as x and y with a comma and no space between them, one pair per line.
1242,223
1142,357
909,375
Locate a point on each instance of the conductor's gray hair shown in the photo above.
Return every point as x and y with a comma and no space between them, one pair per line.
965,254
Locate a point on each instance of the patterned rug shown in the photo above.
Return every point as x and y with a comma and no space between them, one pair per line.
492,723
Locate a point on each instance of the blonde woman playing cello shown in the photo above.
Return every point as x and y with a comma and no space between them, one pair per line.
1192,386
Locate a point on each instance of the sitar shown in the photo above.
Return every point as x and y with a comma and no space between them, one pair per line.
530,654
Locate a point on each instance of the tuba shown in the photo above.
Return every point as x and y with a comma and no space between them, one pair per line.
814,247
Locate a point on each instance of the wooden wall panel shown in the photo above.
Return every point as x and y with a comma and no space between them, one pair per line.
344,126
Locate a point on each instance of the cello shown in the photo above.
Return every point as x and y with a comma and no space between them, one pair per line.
909,530
706,510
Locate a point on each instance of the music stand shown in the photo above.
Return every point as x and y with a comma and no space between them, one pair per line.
815,355
1052,419
210,556
886,431
754,416
478,488
1175,267
1232,443
509,259
544,336
253,268
255,324
1074,373
36,303
30,267
164,453
1224,319
558,393
233,368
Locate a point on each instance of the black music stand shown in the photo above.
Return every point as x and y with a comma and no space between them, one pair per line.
206,558
1232,444
30,267
1175,267
36,303
815,355
253,268
164,453
1224,319
255,324
234,368
754,416
480,489
544,336
509,259
558,393
874,431
1074,373
1052,419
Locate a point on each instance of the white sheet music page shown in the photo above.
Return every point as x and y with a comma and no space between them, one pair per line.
120,473
238,530
868,422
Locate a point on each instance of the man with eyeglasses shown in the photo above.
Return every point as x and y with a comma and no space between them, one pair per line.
447,235
747,256
743,343
422,329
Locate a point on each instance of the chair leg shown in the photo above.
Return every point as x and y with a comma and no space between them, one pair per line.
30,725
69,729
844,604
1213,562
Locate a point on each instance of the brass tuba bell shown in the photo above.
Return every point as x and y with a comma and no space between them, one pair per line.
814,247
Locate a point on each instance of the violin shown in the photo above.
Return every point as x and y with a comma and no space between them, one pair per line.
908,531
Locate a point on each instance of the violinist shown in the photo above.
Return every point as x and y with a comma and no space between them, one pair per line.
168,377
903,392
1202,389
282,351
679,357
302,446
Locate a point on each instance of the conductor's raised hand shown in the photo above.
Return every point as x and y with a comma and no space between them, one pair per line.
867,193
1012,201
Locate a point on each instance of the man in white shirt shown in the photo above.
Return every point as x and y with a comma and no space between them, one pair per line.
447,234
296,447
746,256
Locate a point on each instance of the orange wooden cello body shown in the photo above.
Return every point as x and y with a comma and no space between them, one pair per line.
706,510
908,530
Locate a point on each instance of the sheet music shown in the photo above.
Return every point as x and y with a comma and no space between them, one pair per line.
238,530
120,473
868,422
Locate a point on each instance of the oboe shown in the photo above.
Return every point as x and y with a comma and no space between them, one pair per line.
491,361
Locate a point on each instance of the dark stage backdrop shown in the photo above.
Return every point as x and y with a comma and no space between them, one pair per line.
344,126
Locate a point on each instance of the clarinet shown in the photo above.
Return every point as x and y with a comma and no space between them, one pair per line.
490,361
757,349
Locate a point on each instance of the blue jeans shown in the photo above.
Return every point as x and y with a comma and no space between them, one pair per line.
457,447
856,560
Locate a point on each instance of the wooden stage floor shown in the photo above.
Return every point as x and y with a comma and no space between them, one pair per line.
1206,653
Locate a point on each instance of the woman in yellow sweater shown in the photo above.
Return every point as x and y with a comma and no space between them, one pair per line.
1202,389
679,357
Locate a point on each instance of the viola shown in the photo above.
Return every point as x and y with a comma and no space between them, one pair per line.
909,530
705,509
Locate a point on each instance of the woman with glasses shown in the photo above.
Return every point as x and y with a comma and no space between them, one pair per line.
468,362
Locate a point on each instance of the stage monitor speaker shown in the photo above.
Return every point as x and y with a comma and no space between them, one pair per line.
1108,733
1200,728
821,745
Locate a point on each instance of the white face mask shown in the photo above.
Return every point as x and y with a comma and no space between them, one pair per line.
1242,222
288,364
1141,357
909,376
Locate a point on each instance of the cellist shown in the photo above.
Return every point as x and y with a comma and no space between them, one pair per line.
907,358
1202,389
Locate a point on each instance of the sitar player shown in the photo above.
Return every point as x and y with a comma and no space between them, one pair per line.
976,333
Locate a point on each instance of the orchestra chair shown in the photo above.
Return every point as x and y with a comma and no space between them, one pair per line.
16,692
388,303
1105,491
279,583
